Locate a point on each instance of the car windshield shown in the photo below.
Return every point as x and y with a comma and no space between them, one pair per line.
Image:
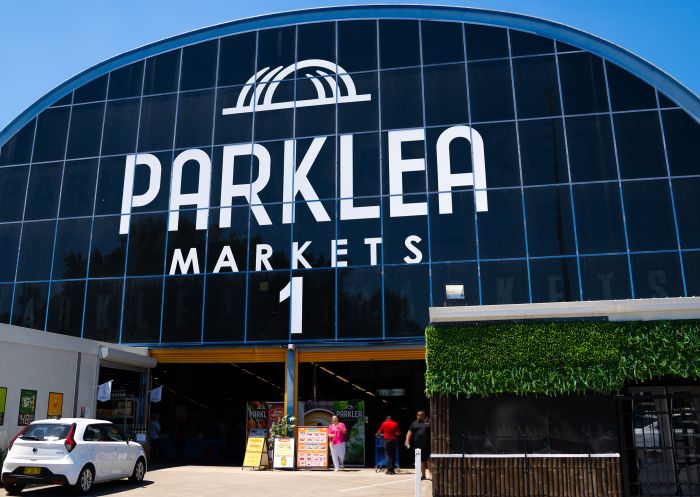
46,431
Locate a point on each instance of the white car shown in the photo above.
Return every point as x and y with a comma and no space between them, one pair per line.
71,451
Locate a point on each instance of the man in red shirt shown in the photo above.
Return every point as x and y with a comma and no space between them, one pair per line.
391,431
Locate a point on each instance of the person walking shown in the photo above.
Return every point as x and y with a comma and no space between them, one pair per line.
336,440
419,436
391,431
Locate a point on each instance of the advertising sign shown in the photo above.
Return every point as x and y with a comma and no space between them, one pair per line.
27,407
313,447
349,412
283,453
255,453
260,415
3,400
55,409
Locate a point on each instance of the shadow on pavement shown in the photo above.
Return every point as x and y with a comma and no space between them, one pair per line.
107,488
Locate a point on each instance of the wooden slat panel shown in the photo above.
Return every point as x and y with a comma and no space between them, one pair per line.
197,355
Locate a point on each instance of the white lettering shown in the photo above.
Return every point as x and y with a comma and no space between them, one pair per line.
249,191
297,256
297,180
335,252
183,265
226,260
397,167
200,198
263,252
130,200
411,242
373,242
348,210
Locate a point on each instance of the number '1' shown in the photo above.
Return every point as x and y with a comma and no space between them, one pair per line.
296,288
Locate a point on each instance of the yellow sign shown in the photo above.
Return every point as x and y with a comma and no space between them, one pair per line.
313,447
284,453
55,405
254,451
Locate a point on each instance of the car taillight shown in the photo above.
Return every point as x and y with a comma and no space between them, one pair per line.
70,441
20,433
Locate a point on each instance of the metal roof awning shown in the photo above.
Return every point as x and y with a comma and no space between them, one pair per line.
613,310
111,356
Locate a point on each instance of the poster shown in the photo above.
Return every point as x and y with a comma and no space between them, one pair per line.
27,407
260,415
55,409
313,447
3,400
283,453
349,412
255,453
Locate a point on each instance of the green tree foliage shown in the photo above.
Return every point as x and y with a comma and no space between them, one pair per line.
559,357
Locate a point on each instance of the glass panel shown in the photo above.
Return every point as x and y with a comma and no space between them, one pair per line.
401,99
460,158
363,235
142,310
399,44
365,166
665,102
583,83
92,91
146,243
486,42
276,235
308,229
199,66
66,308
361,116
685,193
691,266
605,278
276,47
400,233
543,152
35,251
522,43
321,176
108,248
71,252
359,303
319,324
442,42
43,191
235,128
411,181
501,153
5,303
65,100
504,282
273,191
235,237
639,145
554,280
237,59
13,188
682,134
110,185
550,226
650,224
182,309
536,87
357,45
103,310
186,237
591,150
316,41
126,82
195,119
657,275
9,242
452,235
628,92
406,300
18,149
565,47
29,310
599,218
85,131
445,94
314,120
162,73
272,125
224,316
464,274
51,132
490,91
501,229
268,316
121,124
157,123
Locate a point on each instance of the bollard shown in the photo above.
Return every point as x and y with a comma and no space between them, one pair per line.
417,465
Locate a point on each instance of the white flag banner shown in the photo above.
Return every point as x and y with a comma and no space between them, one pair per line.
157,394
104,391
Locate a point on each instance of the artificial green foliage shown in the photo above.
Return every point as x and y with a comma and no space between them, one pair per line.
558,358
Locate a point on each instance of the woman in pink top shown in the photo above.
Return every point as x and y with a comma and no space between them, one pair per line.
336,439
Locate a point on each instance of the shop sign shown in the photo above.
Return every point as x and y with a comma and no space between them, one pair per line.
255,452
260,415
27,407
283,453
55,409
350,412
3,401
313,447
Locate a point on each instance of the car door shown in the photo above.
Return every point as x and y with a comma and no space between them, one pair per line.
98,452
121,462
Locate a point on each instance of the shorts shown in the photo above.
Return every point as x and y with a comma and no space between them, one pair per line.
424,453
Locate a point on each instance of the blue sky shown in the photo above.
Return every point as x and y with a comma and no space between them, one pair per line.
43,42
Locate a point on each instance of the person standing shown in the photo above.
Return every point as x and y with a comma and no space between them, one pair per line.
336,440
419,435
391,431
154,434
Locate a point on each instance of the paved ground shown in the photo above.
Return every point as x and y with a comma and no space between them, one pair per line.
213,481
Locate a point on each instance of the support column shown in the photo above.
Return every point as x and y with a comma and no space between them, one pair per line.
290,381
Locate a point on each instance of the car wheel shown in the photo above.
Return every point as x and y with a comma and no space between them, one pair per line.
14,488
139,471
85,481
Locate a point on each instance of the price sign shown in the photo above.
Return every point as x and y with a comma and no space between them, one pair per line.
313,447
283,453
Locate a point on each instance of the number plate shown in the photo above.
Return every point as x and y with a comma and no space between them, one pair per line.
32,471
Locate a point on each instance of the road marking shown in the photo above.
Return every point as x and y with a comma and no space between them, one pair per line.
376,485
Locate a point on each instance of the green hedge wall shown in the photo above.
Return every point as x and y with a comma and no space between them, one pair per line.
559,357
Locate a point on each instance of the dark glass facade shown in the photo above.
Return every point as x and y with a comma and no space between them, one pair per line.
591,181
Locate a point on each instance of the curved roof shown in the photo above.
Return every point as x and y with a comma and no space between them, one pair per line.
603,48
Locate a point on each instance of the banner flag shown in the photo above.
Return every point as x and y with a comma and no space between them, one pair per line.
104,391
157,394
